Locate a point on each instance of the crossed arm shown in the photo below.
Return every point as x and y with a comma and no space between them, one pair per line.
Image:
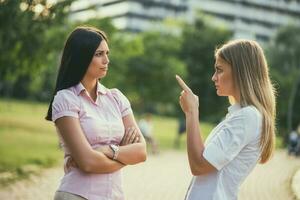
99,161
132,149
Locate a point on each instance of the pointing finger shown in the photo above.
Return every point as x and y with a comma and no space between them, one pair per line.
182,84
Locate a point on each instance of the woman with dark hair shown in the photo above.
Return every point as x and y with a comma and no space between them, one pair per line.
96,126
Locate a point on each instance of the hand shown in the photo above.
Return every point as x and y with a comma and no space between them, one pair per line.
70,163
131,136
189,102
106,150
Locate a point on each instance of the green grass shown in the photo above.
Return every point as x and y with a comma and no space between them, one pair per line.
165,132
27,141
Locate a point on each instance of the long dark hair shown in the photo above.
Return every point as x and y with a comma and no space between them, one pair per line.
77,54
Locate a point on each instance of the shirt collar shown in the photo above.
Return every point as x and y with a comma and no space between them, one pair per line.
234,108
100,88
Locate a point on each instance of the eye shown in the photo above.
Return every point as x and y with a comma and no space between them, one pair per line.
98,54
219,70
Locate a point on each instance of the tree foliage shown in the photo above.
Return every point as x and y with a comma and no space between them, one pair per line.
152,73
199,44
25,45
283,56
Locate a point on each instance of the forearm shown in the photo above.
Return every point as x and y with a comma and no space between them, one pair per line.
132,154
129,155
99,163
195,146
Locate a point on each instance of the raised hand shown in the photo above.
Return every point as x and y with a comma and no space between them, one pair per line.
189,102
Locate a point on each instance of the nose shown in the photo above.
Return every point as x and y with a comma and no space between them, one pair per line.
214,77
106,60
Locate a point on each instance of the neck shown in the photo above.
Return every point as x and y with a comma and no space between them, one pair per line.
90,86
237,99
233,100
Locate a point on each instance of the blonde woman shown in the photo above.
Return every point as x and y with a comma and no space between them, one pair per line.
246,135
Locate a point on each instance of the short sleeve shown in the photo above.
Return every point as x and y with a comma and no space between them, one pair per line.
65,103
122,101
230,139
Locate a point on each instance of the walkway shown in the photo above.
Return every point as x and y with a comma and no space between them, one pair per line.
166,177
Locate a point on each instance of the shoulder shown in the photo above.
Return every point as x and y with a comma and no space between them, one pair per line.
118,95
66,95
65,103
115,91
252,119
250,113
69,92
122,101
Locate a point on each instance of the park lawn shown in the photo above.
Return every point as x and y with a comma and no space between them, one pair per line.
165,132
27,141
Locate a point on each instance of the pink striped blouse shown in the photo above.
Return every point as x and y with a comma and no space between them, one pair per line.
101,122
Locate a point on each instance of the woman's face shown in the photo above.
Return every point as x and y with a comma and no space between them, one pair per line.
99,64
223,79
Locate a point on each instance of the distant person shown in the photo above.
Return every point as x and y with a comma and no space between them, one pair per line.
294,142
245,137
180,131
146,127
95,124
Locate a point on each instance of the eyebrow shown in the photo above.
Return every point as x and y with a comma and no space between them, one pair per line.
218,66
100,50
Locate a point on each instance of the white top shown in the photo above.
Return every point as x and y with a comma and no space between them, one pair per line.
233,149
293,136
145,127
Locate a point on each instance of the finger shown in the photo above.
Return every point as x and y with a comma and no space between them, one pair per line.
68,162
124,138
182,84
128,135
73,163
137,139
131,139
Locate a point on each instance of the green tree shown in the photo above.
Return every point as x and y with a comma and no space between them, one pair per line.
199,43
24,47
283,56
151,74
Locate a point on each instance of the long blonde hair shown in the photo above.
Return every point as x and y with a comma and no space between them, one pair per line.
251,76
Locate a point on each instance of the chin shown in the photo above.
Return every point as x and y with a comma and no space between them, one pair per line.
102,75
220,94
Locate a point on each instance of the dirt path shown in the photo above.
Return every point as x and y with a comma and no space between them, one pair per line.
271,181
166,177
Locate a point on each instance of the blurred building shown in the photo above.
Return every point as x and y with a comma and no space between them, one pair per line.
253,19
132,15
